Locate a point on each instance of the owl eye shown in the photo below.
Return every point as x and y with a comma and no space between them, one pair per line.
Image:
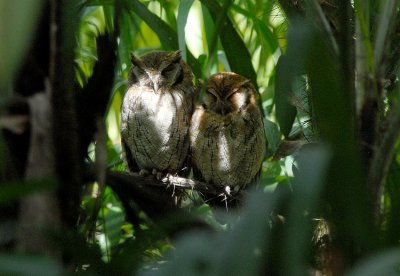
212,94
173,72
135,74
169,69
234,92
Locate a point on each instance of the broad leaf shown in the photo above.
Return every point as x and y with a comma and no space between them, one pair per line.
183,12
285,111
167,35
236,51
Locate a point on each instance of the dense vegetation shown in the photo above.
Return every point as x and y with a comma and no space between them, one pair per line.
329,198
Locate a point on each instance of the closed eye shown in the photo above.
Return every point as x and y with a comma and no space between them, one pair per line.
212,94
234,92
135,74
168,70
231,95
173,73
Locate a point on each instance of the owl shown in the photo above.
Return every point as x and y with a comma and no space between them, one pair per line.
155,114
227,136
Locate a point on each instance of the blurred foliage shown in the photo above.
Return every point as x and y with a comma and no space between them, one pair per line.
302,86
15,16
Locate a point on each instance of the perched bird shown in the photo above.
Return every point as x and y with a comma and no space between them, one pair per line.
155,114
227,136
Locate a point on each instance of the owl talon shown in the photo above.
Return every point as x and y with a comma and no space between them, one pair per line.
159,175
143,172
227,191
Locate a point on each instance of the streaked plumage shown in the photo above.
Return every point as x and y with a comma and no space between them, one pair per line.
156,112
228,143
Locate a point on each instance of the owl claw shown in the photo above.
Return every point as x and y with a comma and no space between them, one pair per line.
158,175
143,172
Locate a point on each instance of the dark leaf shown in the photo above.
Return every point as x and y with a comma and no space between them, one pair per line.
285,112
236,51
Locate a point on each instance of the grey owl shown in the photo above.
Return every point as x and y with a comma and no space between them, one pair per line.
156,112
227,136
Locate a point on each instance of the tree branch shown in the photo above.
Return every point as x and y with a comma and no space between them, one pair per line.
155,197
64,19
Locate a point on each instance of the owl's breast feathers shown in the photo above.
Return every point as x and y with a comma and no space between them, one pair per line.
227,150
156,128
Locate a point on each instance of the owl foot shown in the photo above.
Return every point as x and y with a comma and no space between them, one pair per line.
157,174
144,172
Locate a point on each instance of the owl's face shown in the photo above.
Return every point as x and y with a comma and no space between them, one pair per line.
157,70
228,92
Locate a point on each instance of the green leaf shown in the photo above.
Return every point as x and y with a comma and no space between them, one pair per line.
234,252
392,200
268,39
109,18
113,222
273,135
183,12
210,67
383,30
127,34
308,185
236,51
243,253
285,112
99,2
331,103
166,34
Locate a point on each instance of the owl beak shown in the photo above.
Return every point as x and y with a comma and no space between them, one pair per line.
221,110
155,86
154,82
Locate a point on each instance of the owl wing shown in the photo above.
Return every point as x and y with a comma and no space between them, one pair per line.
127,156
197,174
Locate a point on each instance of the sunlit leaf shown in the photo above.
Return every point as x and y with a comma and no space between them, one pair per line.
183,13
210,35
235,49
167,35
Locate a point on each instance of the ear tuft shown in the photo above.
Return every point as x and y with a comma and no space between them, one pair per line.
245,82
135,60
175,56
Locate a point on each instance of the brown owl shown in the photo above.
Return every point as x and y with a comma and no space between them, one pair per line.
227,134
155,114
